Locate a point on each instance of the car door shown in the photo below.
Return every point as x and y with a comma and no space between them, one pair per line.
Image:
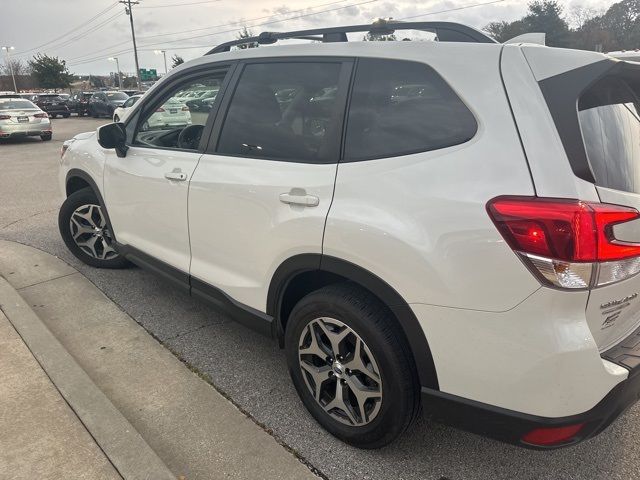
261,193
96,102
146,191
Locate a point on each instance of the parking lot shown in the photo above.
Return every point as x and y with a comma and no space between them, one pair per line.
251,370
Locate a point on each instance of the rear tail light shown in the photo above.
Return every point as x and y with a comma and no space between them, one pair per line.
41,115
548,437
567,243
5,117
159,109
185,109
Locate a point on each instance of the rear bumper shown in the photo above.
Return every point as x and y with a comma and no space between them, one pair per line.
56,110
510,426
25,131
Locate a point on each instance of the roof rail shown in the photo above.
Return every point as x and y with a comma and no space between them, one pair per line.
445,32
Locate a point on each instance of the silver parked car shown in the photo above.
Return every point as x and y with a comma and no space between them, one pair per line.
21,118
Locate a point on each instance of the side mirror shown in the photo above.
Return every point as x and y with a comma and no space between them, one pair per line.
114,135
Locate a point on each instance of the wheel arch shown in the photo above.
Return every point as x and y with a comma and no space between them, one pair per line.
76,180
305,273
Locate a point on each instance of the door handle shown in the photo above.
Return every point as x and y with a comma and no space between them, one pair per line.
177,176
300,199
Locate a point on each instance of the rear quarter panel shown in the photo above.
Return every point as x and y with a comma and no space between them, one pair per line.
419,221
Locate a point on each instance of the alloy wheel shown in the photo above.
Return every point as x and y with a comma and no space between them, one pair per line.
340,371
90,232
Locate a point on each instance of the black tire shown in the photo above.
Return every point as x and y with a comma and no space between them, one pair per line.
53,115
45,137
75,201
372,321
66,115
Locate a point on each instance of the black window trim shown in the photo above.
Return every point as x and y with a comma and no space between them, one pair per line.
407,152
344,83
562,93
146,105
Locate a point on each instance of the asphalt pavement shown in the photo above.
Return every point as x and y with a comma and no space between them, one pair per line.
251,370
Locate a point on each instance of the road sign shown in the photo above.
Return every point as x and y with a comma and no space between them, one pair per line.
148,75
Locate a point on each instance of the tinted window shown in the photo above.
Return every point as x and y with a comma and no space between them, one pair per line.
609,114
400,107
177,121
285,111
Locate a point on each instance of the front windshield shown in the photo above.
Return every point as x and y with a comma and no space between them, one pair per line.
117,96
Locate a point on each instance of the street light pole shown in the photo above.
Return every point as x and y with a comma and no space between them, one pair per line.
115,59
164,54
129,12
13,77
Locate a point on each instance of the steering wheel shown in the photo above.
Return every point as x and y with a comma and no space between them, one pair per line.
189,137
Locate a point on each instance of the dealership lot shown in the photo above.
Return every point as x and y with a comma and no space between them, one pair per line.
251,370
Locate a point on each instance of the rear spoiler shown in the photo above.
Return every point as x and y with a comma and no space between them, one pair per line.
535,38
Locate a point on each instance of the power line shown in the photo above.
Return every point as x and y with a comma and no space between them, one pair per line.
82,25
464,7
180,4
258,25
292,18
93,29
285,20
239,22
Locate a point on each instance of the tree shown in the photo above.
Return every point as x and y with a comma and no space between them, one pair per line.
622,21
616,29
19,67
546,16
379,37
176,60
503,31
96,82
246,33
50,72
130,82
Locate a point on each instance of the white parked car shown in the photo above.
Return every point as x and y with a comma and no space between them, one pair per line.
22,118
120,113
450,224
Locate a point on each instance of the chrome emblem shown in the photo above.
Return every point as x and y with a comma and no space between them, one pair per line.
613,303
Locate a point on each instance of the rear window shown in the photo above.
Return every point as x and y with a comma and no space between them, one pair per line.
609,115
117,96
16,104
400,107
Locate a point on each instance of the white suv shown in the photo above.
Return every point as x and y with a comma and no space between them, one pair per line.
450,224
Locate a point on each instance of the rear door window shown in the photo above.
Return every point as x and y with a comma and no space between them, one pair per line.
609,115
401,107
287,111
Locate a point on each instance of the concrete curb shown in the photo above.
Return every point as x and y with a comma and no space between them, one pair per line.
119,440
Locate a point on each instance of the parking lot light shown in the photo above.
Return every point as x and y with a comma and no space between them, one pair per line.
13,77
115,59
164,54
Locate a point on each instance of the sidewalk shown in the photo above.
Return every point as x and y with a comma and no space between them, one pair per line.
130,404
41,436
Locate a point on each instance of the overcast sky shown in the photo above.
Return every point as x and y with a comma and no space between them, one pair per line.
86,32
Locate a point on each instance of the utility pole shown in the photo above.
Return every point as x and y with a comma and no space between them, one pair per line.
13,77
128,10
